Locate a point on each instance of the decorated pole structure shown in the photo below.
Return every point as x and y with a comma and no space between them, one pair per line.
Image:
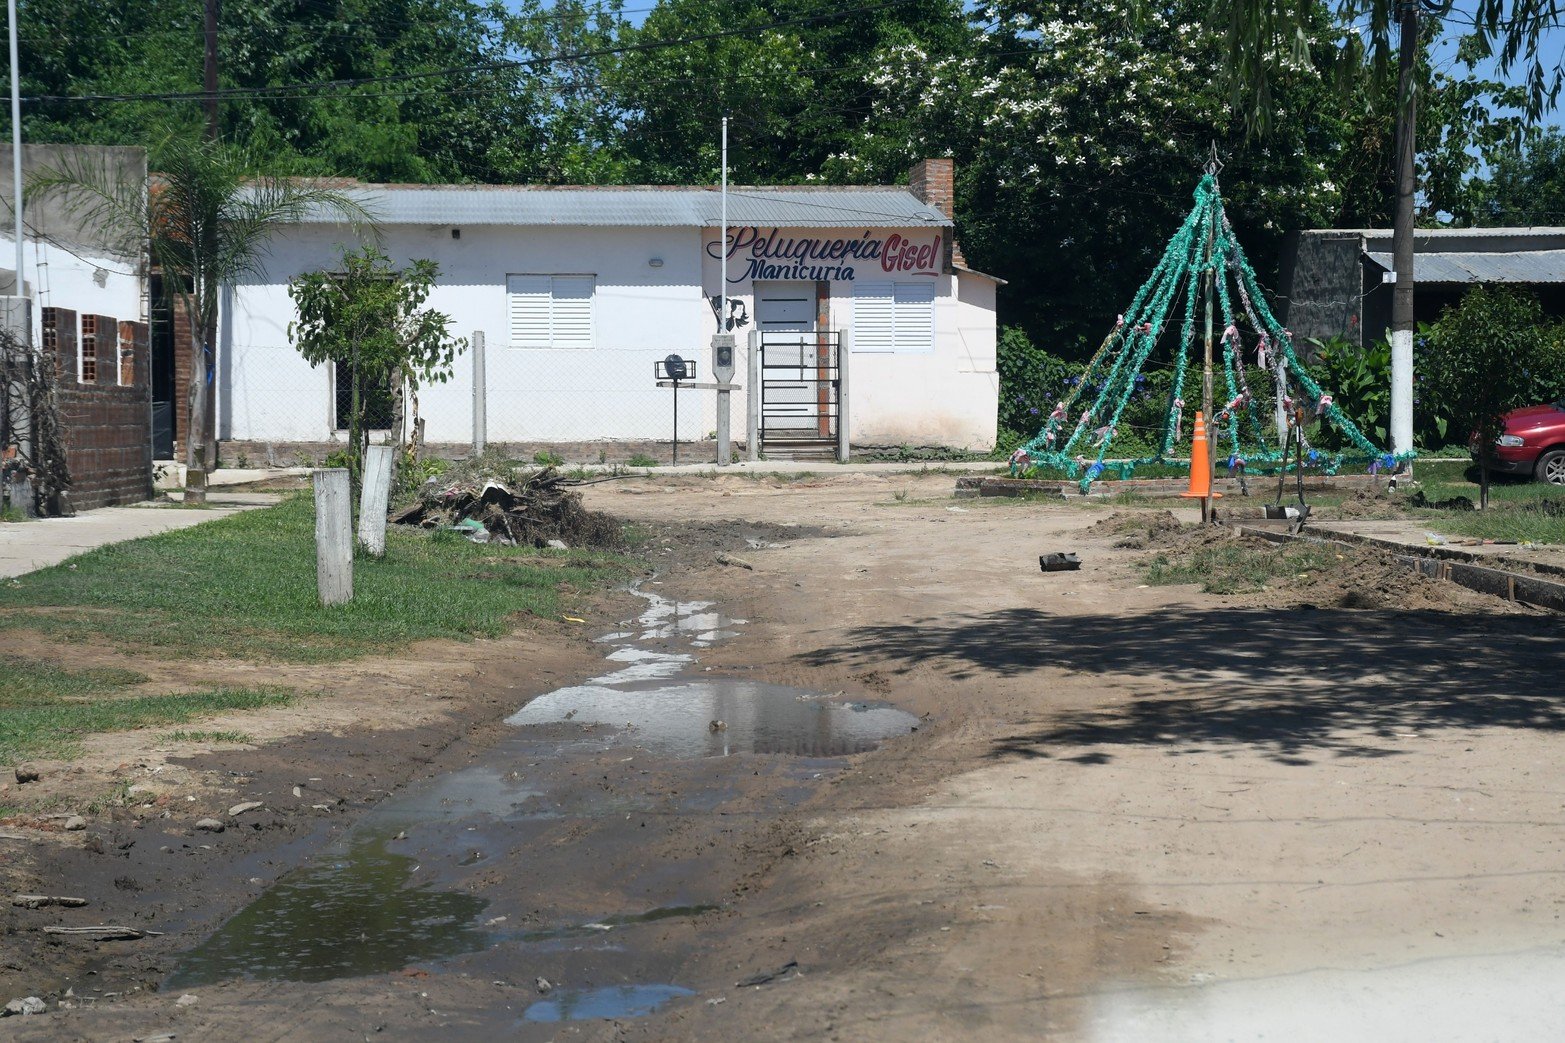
1203,267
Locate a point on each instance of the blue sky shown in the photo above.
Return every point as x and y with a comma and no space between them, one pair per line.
1551,48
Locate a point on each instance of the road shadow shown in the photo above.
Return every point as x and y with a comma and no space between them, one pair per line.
1285,682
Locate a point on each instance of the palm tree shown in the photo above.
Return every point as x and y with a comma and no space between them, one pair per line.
1261,31
205,219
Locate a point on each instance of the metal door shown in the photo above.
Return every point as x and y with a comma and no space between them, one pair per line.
798,366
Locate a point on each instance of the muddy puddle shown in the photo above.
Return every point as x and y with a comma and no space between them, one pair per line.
619,1001
567,846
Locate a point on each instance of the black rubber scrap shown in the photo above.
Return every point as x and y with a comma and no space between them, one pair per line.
769,976
1062,562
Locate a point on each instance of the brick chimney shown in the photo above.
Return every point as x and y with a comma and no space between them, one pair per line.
934,182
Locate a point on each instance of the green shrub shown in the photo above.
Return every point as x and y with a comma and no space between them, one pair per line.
1031,381
1359,382
1495,330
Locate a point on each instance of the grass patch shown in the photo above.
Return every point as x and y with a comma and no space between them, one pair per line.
1232,567
245,586
1519,511
641,460
211,736
29,679
1535,522
45,710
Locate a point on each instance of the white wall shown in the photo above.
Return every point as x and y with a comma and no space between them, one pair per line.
641,313
947,397
77,279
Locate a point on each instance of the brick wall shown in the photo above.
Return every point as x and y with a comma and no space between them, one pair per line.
934,181
107,425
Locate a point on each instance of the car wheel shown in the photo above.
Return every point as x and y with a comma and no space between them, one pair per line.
1551,467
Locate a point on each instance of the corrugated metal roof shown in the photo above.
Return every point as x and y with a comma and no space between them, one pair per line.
653,207
1521,266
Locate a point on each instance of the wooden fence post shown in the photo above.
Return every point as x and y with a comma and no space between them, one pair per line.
374,498
333,536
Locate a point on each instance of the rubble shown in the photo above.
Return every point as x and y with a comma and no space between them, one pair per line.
538,510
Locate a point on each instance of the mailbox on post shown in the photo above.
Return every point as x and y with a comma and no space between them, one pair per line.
674,369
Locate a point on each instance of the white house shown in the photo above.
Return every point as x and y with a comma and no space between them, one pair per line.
581,291
67,262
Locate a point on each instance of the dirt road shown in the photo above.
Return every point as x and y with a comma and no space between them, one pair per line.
1129,812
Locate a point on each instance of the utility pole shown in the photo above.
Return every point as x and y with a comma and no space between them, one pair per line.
723,339
1402,234
20,401
209,78
16,140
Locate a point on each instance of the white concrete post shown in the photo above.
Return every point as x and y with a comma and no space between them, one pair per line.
844,349
374,499
1401,391
333,536
752,432
480,395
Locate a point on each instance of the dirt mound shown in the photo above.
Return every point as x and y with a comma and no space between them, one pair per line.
1366,503
1362,579
1140,530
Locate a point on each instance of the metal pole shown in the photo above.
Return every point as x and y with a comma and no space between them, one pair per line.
1402,237
16,145
752,429
724,451
722,245
676,423
844,351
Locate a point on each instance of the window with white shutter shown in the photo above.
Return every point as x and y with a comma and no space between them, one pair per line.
894,316
551,311
915,308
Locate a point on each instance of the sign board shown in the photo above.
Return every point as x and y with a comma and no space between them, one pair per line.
771,253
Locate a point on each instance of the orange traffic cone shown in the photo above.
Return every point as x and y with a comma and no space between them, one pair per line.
1200,464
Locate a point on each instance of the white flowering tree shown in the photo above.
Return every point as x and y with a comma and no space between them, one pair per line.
1079,133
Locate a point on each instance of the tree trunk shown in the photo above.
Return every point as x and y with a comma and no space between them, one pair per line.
197,395
355,425
398,419
209,418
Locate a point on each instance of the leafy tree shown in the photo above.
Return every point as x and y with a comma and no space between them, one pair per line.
371,317
500,121
1078,136
796,93
207,220
1526,186
1490,354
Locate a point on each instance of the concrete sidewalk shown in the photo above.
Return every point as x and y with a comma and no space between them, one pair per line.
31,545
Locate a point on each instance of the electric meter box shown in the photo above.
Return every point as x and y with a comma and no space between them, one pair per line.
723,357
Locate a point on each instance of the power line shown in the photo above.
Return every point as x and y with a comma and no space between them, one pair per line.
487,67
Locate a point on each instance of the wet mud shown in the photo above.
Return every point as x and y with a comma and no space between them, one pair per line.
568,846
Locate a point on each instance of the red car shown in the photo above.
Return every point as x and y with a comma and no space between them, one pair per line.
1533,443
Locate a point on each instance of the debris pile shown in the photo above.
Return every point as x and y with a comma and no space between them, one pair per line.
536,510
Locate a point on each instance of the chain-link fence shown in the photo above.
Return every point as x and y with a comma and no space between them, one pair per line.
582,406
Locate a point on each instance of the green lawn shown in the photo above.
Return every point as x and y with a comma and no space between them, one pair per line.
45,709
244,586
